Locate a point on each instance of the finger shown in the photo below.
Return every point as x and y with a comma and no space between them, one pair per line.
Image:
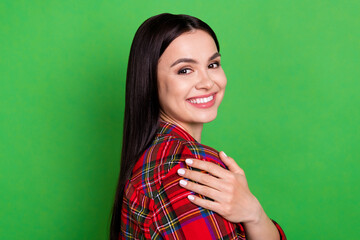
207,204
230,163
201,189
203,178
209,167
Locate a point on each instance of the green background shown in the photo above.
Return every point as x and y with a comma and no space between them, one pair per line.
290,116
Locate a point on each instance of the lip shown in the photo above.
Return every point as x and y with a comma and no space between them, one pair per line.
203,105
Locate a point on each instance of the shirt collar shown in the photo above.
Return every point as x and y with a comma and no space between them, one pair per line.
172,129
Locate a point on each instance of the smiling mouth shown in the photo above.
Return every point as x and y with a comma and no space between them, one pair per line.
201,100
204,101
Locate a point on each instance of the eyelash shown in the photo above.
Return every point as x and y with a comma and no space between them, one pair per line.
181,71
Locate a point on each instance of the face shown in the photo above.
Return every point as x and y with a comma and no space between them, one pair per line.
191,81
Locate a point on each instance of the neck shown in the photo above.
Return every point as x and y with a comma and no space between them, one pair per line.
194,129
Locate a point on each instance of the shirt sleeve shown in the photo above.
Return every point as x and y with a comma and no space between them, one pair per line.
175,217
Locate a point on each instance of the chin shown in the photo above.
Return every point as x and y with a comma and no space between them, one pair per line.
207,118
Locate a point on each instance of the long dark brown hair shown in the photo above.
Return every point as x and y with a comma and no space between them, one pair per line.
141,101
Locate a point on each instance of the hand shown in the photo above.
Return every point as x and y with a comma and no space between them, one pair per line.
228,189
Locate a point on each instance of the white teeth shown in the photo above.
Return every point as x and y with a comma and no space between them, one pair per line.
202,100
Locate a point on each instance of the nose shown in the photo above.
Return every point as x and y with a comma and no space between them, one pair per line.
205,81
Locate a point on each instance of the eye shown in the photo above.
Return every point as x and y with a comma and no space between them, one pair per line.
214,65
184,71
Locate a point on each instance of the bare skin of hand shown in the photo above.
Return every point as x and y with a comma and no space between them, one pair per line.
230,193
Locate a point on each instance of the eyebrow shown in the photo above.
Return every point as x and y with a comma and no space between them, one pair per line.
190,60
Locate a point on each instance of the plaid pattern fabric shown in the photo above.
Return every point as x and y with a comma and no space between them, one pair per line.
155,206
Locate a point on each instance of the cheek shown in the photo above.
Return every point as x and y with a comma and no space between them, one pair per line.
220,79
223,78
224,81
177,88
171,93
163,93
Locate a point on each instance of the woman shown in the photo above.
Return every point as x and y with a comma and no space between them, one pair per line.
175,84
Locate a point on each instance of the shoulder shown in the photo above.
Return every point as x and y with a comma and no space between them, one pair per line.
166,154
204,152
157,160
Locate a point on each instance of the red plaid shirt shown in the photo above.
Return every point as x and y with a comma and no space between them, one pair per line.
156,207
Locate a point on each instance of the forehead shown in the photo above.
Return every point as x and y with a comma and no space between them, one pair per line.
196,44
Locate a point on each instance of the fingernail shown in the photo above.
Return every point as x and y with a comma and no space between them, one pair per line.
181,171
183,182
189,161
224,154
191,197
